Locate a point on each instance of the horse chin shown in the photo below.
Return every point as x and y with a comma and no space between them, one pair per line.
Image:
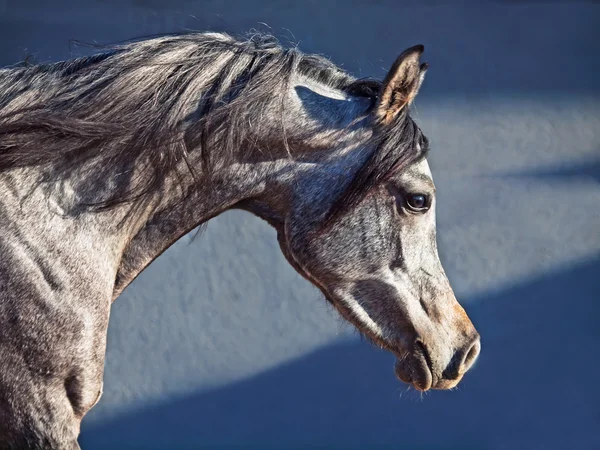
415,371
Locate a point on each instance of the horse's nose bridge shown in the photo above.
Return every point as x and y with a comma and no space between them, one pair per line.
462,321
458,324
440,303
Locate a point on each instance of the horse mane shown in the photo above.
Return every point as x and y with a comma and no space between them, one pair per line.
146,105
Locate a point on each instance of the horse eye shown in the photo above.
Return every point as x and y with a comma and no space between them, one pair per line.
417,202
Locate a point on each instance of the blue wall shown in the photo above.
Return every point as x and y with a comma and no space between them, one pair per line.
220,343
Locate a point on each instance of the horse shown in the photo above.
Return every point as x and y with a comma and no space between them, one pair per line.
107,160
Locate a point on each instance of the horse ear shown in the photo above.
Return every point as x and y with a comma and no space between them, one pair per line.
401,84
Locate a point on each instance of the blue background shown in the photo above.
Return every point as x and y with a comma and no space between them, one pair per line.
219,343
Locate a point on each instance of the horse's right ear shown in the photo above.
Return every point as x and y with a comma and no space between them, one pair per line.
401,84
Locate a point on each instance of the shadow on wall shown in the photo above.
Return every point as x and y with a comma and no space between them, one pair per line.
588,169
533,387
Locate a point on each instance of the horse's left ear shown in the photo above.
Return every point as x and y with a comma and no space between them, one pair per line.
401,84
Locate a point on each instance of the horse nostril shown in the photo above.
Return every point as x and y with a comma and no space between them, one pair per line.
470,355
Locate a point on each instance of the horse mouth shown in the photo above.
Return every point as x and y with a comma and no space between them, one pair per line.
415,369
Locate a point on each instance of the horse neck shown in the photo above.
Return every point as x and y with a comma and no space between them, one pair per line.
263,188
182,206
261,182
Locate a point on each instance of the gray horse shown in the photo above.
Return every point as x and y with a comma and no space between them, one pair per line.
106,161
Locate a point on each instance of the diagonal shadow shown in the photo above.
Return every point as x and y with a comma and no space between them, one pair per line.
585,169
533,387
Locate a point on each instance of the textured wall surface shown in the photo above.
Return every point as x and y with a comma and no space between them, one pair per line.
219,342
